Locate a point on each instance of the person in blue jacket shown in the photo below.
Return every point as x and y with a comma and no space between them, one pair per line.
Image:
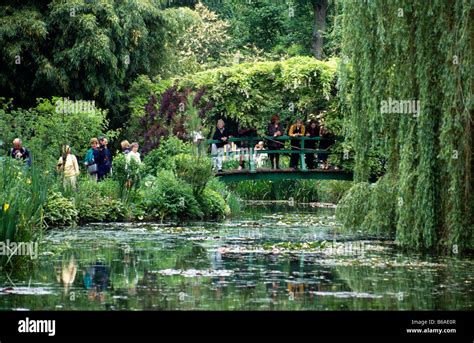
104,159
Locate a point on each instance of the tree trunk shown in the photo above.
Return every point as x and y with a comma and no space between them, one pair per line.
319,26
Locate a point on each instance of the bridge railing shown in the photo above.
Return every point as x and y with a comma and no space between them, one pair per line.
251,141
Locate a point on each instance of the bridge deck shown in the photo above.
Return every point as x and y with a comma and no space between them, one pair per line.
283,174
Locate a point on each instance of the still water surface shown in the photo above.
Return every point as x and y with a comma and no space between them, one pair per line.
268,258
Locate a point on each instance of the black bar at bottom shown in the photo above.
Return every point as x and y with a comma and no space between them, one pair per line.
197,323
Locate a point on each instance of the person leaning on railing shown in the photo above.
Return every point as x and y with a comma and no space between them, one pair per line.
296,130
312,130
274,129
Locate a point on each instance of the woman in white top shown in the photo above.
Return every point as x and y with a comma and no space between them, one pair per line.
70,168
133,154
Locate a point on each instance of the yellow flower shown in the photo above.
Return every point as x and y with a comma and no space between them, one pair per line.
6,207
28,181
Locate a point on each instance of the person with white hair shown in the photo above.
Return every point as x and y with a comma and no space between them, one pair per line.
19,152
67,164
217,149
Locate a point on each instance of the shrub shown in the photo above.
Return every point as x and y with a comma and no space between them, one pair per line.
162,157
127,175
213,204
381,218
165,196
197,171
59,211
99,201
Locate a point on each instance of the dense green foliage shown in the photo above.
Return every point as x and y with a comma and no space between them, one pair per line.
327,191
419,51
250,93
23,194
83,50
44,130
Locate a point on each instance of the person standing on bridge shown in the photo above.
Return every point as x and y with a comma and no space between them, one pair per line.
217,149
274,129
296,130
326,142
244,146
312,130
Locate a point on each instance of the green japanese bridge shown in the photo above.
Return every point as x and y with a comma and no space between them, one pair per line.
255,173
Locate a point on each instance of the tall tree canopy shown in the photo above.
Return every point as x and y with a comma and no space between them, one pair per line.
79,49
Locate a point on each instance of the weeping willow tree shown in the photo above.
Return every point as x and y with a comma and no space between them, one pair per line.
397,54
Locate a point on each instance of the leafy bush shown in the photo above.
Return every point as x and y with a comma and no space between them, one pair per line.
213,204
99,201
127,175
250,93
165,196
162,157
196,171
59,211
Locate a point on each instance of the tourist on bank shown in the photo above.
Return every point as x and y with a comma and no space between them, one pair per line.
104,160
274,129
19,152
312,130
91,158
217,149
132,161
133,154
67,164
296,130
125,145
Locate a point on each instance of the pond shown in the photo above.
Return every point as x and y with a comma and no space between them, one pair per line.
267,258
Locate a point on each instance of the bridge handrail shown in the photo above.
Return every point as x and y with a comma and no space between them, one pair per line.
300,150
278,138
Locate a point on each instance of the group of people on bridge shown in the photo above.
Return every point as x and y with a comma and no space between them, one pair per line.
274,130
